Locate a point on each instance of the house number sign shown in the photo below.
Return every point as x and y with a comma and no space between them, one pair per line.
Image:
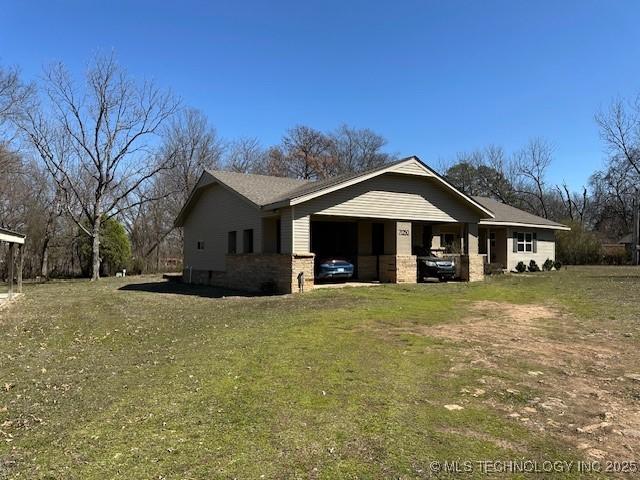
403,232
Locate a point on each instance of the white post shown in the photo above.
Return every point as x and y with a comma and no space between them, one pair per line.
635,237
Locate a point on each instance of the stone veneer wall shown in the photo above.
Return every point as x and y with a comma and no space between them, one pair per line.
398,269
258,273
367,267
472,267
302,264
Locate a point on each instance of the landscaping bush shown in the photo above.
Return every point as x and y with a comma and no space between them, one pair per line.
521,267
547,265
557,265
533,266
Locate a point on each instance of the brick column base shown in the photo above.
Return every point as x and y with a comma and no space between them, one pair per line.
398,269
472,268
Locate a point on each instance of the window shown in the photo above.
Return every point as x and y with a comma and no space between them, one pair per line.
231,242
200,245
247,241
524,242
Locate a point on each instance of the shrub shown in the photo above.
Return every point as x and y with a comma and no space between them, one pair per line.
578,246
547,265
136,266
115,248
520,267
557,265
533,266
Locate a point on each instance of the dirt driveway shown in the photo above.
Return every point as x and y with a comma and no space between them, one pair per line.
553,374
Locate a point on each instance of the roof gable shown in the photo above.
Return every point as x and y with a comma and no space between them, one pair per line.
269,192
408,166
254,189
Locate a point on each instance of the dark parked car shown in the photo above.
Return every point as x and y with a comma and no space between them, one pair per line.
435,267
334,269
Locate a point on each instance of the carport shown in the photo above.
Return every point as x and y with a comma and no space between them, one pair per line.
382,250
16,242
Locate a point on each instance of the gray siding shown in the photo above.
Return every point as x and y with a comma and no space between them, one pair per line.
546,247
217,212
392,196
411,168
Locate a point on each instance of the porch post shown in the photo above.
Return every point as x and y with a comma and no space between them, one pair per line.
488,245
471,239
20,266
472,268
10,269
397,265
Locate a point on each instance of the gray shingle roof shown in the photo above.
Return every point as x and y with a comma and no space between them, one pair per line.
264,189
507,214
260,189
628,238
312,187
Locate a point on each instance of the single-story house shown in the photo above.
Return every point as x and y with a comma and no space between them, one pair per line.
258,232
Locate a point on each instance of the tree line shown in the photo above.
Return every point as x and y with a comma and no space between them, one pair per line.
80,158
77,155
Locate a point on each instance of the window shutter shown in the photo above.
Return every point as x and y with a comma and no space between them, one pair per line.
515,242
535,242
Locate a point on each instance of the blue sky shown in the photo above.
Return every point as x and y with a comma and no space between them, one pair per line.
433,77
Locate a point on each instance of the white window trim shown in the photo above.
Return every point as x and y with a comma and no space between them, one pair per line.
527,240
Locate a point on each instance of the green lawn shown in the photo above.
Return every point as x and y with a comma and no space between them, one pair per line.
124,379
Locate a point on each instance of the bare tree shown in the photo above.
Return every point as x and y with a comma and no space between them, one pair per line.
14,94
357,150
620,131
245,155
274,163
497,175
613,190
13,188
620,180
484,172
574,205
307,153
193,145
96,142
531,164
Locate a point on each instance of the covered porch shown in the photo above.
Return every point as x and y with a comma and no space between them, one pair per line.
15,255
493,244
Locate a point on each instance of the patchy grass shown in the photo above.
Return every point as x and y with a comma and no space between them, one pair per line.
131,378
